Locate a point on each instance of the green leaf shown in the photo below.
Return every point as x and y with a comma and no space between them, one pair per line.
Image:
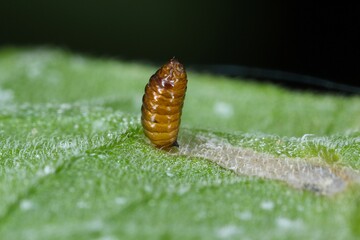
74,163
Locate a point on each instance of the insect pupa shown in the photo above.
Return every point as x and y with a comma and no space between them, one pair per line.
162,104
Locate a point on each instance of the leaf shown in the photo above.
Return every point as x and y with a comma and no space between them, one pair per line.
74,163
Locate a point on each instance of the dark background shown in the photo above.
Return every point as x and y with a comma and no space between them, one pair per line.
313,39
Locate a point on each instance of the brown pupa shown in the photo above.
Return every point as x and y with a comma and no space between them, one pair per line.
162,104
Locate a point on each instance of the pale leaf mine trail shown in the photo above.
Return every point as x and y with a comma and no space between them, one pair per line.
311,174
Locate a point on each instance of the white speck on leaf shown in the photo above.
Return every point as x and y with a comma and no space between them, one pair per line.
267,205
82,204
288,224
48,170
228,231
95,225
120,200
223,109
168,173
244,215
183,189
6,96
26,205
63,108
